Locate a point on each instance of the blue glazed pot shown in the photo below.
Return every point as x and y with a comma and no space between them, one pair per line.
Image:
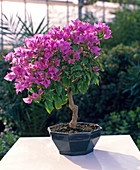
73,144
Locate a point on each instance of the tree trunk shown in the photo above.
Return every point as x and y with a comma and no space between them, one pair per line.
74,108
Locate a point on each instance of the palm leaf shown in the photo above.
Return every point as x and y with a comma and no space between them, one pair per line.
37,30
24,25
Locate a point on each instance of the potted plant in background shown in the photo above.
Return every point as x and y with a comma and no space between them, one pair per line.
55,66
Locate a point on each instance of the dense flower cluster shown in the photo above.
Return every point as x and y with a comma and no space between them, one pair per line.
43,58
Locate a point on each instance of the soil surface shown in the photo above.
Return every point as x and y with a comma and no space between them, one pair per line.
64,128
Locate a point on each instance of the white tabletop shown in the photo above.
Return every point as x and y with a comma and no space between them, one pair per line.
113,152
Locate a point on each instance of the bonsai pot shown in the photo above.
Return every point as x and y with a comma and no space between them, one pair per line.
79,143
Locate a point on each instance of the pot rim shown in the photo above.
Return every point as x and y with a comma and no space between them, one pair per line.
53,132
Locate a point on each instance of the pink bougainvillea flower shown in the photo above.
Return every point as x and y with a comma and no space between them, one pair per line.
9,56
46,83
63,67
27,100
53,70
96,56
96,69
40,92
71,61
10,76
19,87
35,95
95,50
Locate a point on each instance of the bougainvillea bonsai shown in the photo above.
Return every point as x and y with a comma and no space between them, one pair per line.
55,66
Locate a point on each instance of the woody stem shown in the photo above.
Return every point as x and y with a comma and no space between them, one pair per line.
74,108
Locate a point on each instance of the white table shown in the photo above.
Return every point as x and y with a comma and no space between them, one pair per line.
113,152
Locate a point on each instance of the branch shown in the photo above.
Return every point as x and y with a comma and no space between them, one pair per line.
74,108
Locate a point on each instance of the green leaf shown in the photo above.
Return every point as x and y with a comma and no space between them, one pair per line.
78,74
83,85
49,106
95,79
49,96
89,77
75,48
64,97
76,67
79,85
58,88
85,60
74,88
66,82
64,100
58,102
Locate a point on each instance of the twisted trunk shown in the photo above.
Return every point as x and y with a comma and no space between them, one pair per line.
74,108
